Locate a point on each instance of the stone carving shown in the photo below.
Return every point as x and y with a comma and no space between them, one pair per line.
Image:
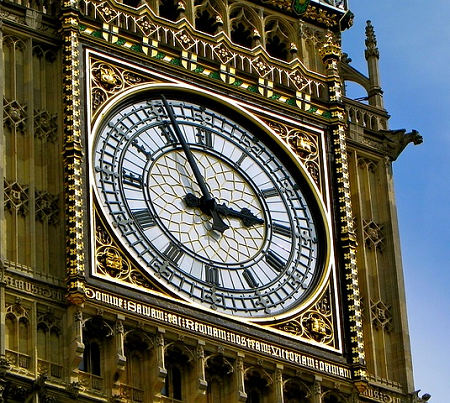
112,263
314,324
395,141
16,197
15,115
381,315
304,144
107,80
45,126
373,235
47,207
416,399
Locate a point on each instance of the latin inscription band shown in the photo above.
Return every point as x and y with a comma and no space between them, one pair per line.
194,326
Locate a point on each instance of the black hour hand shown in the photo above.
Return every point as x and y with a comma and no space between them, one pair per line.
209,207
245,215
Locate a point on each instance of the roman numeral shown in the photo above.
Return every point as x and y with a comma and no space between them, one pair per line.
275,261
282,230
272,192
204,138
144,218
108,173
167,133
132,179
250,278
140,148
173,253
212,275
241,159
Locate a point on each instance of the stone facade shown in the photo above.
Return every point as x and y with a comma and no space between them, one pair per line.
81,319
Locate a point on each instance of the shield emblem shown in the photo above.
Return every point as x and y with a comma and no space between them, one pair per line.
300,6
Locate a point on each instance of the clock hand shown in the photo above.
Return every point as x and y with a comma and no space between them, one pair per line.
209,203
245,215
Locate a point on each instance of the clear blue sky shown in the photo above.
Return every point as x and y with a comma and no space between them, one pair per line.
414,42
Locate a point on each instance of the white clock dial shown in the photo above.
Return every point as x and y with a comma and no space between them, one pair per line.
221,221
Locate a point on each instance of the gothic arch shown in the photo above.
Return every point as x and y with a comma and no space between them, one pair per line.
296,391
208,16
245,26
278,39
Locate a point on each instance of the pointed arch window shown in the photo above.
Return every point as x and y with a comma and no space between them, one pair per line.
49,349
218,375
244,29
177,367
278,44
91,358
207,16
295,392
95,334
137,352
256,386
170,9
17,338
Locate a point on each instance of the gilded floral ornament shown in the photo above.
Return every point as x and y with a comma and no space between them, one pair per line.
330,49
315,324
318,328
281,4
146,26
113,264
185,39
108,80
322,17
107,13
223,53
305,145
261,67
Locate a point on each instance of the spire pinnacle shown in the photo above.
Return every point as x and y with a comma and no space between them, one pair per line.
371,42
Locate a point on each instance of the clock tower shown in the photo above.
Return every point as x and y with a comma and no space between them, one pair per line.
193,209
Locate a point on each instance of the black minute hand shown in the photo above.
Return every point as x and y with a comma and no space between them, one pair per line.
209,202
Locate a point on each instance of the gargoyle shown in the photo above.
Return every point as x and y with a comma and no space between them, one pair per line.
395,141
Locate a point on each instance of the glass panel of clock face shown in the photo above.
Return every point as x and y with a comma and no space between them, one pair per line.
265,261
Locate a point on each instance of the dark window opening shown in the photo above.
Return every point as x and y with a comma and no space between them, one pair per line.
132,3
242,35
331,399
276,48
205,22
253,397
173,386
169,9
91,358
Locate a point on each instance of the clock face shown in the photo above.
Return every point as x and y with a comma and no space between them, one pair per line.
208,207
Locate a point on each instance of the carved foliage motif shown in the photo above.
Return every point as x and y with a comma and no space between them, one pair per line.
314,324
305,145
108,80
112,263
